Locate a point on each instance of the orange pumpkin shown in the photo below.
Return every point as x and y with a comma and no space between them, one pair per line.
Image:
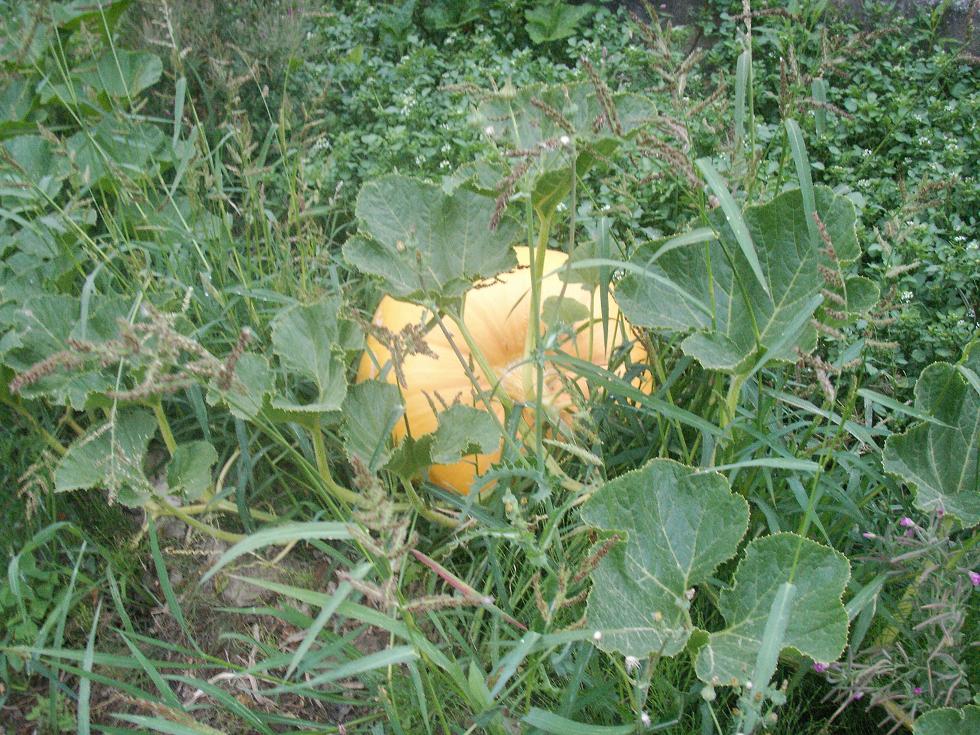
497,316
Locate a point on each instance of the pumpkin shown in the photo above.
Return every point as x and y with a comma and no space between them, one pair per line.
497,317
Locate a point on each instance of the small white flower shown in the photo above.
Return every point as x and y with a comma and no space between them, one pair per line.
645,719
748,685
906,296
632,664
488,130
597,636
689,594
564,140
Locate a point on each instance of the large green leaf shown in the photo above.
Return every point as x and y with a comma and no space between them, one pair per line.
949,721
41,328
425,243
679,525
250,389
742,322
189,470
555,20
942,460
121,73
110,457
371,410
464,430
562,124
817,620
306,340
116,148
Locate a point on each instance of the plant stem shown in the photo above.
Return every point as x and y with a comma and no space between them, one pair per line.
168,435
161,507
320,452
47,436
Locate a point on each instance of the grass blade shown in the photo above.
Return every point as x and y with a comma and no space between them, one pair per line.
85,685
891,403
741,85
734,217
802,162
326,612
819,90
278,536
168,591
558,725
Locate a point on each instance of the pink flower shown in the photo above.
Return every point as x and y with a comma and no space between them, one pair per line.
974,579
906,522
820,668
869,535
917,690
857,695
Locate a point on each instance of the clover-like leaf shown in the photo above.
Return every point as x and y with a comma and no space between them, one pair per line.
425,243
189,470
564,124
817,620
679,525
941,459
111,457
949,721
464,430
305,339
718,297
371,410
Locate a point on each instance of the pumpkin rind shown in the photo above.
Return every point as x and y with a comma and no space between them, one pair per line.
497,316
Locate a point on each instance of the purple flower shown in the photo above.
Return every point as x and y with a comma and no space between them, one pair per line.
974,579
906,522
820,668
917,690
857,695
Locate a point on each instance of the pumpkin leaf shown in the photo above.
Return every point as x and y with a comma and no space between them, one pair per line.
746,324
41,328
111,457
556,310
555,20
371,410
942,460
691,523
539,117
121,73
411,457
427,244
816,621
305,339
189,470
949,721
464,430
251,387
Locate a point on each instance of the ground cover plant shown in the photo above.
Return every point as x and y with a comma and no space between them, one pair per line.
716,465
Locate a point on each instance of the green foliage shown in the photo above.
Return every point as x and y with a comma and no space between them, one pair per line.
949,721
738,320
816,620
690,523
940,457
186,277
427,244
553,20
